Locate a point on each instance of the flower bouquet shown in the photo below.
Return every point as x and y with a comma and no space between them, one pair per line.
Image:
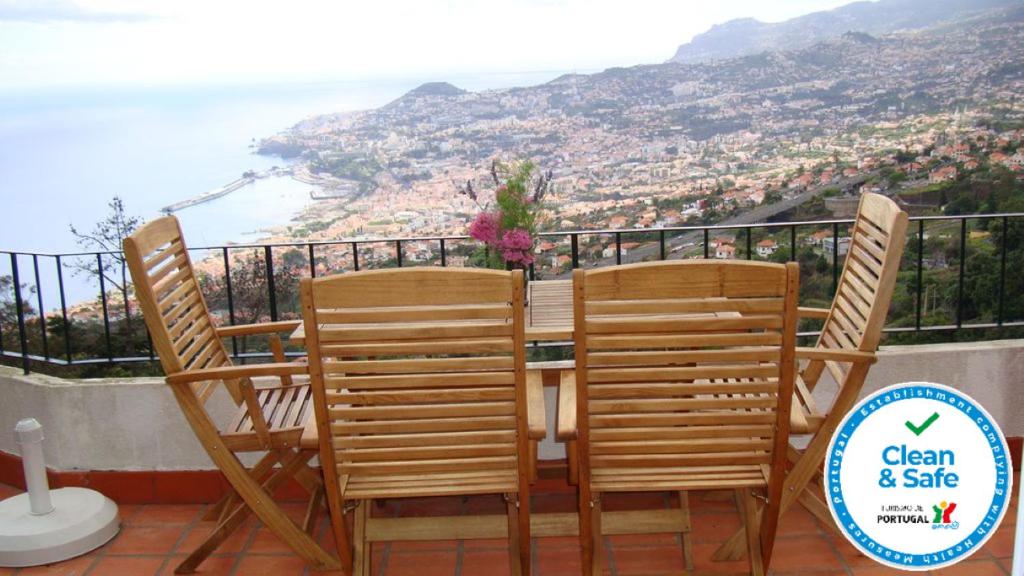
507,228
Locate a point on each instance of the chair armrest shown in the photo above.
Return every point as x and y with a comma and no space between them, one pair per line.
566,428
535,417
251,329
233,372
805,312
836,355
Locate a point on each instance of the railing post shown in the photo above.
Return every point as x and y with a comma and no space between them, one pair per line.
231,299
618,248
920,272
355,256
271,288
1002,272
960,276
574,248
42,310
661,243
750,252
707,247
64,310
792,243
20,312
129,350
106,312
398,252
835,258
444,255
312,261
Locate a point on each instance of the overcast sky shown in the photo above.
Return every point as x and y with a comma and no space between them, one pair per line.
100,42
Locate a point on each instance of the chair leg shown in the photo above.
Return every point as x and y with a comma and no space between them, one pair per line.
514,558
586,513
340,530
819,509
802,472
597,564
222,509
573,465
308,478
270,514
238,514
752,523
687,541
525,535
313,511
362,555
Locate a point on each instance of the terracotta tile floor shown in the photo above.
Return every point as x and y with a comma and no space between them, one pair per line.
154,538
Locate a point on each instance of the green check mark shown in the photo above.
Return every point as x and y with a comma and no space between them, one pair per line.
917,430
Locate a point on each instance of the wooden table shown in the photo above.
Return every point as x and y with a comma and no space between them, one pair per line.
548,313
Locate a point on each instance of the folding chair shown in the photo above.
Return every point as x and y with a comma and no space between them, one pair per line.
420,389
846,348
683,381
271,414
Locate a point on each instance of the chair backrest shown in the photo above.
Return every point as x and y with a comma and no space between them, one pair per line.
168,293
865,287
419,371
685,364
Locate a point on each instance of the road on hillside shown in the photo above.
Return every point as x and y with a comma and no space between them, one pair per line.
758,215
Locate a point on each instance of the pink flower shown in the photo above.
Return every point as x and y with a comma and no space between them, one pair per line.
485,228
517,239
517,247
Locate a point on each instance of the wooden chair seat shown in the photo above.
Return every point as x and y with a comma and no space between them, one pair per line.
678,478
440,484
286,408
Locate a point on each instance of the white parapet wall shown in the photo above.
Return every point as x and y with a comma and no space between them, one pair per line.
135,424
105,424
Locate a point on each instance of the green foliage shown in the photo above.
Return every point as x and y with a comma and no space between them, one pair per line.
9,310
513,197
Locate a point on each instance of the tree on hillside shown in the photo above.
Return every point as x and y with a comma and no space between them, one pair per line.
9,310
250,298
108,235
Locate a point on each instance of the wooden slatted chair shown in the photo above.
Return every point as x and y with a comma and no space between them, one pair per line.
846,349
683,381
420,389
271,414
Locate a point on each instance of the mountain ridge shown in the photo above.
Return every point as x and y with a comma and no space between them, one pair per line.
745,36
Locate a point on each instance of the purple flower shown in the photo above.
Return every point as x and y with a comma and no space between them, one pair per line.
485,228
517,247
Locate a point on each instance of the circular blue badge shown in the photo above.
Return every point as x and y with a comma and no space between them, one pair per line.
918,476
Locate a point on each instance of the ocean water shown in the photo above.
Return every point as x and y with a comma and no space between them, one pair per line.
65,153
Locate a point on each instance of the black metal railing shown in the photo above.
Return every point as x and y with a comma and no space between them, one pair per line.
29,335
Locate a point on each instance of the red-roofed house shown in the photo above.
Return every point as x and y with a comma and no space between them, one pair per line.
766,247
944,174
